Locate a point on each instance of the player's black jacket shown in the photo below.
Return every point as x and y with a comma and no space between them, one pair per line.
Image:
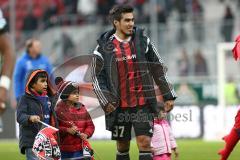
105,72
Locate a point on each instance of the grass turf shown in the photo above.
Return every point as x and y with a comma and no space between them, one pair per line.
105,150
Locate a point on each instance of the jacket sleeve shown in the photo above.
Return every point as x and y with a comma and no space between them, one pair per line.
158,71
22,113
63,130
18,79
89,130
173,142
63,126
99,79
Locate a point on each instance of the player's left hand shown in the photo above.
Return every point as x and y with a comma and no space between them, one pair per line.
83,136
168,105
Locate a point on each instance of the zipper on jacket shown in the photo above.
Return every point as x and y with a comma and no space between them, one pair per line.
42,115
165,138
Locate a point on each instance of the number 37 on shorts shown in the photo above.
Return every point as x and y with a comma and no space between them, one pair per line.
118,131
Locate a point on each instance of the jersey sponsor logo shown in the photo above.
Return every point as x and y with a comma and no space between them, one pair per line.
124,58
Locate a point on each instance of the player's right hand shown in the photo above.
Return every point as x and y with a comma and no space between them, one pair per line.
34,118
109,108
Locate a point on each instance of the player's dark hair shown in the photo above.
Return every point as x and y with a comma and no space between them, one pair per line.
116,12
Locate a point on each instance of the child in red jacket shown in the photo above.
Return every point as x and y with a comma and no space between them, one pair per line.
75,124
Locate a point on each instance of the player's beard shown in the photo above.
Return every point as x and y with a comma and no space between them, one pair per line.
128,34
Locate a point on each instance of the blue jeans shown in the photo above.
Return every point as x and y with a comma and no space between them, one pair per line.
77,154
30,155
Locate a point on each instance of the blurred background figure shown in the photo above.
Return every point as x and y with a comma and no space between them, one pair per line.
30,23
183,64
231,92
68,46
50,10
31,59
188,95
181,7
197,20
70,6
227,25
103,6
200,64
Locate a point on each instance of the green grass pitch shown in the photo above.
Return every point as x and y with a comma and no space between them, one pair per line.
189,150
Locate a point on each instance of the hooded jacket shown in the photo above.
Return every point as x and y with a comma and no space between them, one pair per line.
163,140
30,105
69,116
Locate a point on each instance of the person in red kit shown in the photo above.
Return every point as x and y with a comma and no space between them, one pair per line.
124,65
75,123
233,137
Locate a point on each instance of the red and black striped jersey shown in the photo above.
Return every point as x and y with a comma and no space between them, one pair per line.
137,56
130,82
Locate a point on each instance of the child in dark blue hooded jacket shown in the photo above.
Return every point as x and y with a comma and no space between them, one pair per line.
36,104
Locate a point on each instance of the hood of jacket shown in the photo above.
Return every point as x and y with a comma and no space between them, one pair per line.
50,89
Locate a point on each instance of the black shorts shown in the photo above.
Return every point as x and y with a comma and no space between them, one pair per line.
139,117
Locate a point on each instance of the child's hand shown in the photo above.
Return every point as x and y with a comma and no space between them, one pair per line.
84,136
34,118
176,153
72,130
152,150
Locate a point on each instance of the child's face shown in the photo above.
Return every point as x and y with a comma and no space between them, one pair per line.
41,85
74,96
162,114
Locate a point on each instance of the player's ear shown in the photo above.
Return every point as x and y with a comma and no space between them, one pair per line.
115,22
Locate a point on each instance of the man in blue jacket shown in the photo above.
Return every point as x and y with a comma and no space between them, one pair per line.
30,60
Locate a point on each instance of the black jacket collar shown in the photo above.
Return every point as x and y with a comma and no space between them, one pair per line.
103,39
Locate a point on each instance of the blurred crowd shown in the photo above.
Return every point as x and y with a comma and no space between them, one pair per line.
36,16
199,64
32,15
